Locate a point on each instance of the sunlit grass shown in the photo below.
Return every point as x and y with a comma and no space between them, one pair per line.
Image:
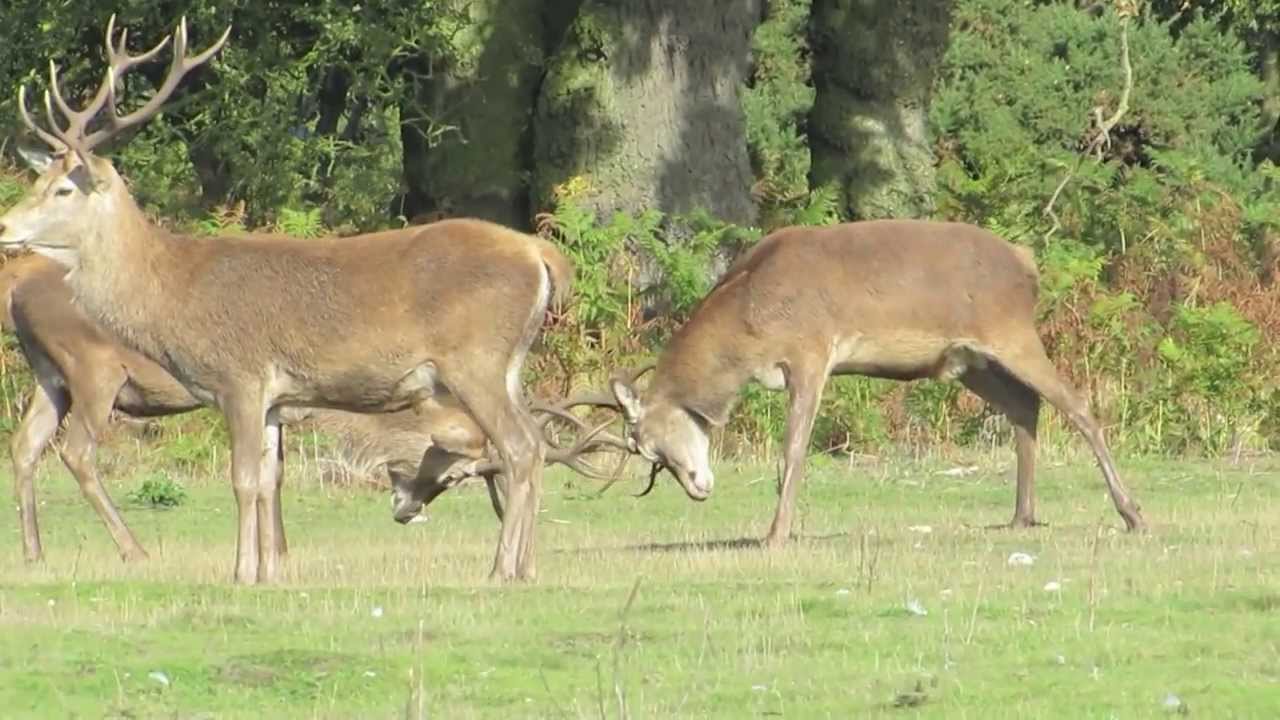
374,617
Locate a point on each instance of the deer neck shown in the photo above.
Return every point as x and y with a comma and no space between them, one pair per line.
703,372
130,275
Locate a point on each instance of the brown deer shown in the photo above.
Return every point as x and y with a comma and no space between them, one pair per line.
896,299
71,358
82,374
433,448
374,323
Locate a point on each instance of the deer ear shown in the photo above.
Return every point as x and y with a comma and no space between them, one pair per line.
36,158
627,399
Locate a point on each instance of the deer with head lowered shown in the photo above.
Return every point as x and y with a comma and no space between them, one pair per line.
83,374
896,299
374,323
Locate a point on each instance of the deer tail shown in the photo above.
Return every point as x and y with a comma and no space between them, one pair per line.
559,267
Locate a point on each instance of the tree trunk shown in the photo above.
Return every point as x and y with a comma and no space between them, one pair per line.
1269,60
466,139
640,109
874,65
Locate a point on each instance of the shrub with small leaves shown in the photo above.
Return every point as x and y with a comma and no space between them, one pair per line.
159,491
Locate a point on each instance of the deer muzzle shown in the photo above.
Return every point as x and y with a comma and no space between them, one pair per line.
405,509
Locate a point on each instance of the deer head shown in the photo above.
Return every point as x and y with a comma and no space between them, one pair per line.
440,469
670,436
78,192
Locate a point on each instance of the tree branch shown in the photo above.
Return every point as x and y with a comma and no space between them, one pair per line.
1102,138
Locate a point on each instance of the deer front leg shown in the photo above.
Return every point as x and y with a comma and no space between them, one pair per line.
26,445
79,453
805,388
247,424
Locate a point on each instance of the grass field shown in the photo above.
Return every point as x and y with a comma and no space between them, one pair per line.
893,603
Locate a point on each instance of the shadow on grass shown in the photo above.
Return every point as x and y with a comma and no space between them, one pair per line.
742,543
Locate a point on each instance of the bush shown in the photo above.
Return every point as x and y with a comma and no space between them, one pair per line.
301,111
1151,288
158,491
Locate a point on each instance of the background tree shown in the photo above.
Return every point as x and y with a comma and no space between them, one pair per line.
654,139
875,62
642,101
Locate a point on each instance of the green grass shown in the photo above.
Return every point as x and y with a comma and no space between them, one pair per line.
370,611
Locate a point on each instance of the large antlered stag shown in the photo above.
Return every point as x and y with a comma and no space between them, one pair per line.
897,299
83,374
374,323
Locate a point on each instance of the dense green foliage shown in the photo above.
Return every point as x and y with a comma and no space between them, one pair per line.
303,111
1154,274
777,103
1156,261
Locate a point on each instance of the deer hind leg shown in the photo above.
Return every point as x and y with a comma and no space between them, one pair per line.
805,386
1033,368
34,433
271,542
1021,405
86,423
499,411
246,422
273,470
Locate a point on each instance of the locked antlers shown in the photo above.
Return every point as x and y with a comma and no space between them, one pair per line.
591,439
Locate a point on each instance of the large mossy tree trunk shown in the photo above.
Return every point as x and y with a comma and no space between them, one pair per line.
1269,66
641,109
466,135
874,67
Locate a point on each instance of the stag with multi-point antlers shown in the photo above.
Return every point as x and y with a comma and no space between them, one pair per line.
374,323
83,375
896,299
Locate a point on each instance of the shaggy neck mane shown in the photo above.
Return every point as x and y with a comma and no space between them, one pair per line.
130,275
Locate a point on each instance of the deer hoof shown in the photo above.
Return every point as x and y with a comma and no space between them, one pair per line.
775,540
1017,523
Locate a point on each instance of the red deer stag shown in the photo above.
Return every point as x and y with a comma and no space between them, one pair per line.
430,450
82,374
897,299
374,323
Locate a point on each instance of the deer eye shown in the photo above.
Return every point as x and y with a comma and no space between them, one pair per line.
62,192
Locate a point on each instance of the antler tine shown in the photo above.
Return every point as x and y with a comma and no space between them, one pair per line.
590,398
118,55
559,410
591,441
47,137
48,114
634,374
75,136
596,438
121,62
63,107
